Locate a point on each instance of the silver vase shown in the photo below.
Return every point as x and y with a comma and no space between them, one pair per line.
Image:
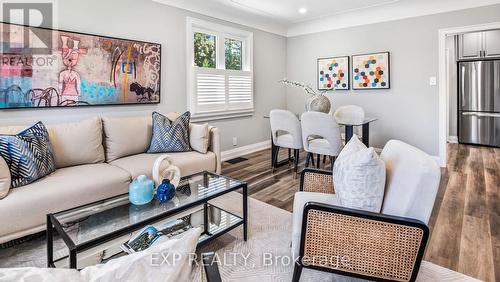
318,103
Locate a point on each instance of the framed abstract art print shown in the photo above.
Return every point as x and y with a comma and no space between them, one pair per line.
76,69
333,73
371,71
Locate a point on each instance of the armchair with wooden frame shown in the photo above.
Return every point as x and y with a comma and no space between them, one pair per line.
386,246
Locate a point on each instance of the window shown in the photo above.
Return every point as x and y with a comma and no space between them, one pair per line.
220,73
204,50
233,53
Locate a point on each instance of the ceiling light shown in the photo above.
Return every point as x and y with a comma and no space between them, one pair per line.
302,10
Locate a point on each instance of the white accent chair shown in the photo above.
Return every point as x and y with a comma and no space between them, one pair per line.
351,114
321,136
412,183
286,133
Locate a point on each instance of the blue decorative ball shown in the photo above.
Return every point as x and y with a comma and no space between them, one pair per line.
165,192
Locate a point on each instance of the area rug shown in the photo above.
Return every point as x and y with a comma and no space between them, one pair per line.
266,256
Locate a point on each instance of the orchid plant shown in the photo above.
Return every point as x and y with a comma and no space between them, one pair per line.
307,88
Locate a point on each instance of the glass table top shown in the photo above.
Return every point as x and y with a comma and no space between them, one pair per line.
88,222
347,122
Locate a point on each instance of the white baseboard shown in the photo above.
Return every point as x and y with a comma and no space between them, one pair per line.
245,150
452,139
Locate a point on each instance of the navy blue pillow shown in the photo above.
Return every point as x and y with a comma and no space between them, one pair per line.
170,136
28,154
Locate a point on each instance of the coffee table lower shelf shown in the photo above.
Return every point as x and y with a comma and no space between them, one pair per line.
220,222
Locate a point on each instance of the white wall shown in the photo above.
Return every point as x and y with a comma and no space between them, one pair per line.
149,21
409,110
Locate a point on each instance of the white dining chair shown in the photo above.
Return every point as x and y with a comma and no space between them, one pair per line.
286,133
350,114
321,136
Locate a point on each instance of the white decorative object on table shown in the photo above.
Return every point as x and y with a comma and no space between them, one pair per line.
317,102
163,169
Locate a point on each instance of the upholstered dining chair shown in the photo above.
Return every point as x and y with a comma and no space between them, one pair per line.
286,133
350,114
384,246
321,136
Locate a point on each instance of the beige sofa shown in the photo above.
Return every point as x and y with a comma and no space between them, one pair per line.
95,159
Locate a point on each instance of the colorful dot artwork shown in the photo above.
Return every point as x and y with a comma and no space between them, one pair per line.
371,71
333,73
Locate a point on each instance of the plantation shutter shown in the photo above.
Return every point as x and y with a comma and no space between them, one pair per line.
222,90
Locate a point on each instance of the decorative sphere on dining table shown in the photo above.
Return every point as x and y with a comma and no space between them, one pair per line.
318,103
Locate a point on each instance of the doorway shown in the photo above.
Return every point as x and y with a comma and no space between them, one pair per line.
445,81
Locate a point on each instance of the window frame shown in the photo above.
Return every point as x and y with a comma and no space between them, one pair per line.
221,32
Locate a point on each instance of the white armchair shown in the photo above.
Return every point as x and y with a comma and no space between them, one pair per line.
412,182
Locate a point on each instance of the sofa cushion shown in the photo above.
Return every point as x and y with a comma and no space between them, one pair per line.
170,135
73,143
28,154
77,143
5,179
126,136
412,181
199,137
188,163
359,177
26,207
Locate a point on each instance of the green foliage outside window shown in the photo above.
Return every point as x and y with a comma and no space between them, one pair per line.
233,54
204,50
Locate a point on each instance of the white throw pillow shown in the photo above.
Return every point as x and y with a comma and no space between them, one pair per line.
359,177
198,137
145,266
5,179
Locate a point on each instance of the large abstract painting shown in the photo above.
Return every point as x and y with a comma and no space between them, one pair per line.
371,71
78,70
333,73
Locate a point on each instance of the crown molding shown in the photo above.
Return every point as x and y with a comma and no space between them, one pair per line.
237,17
389,11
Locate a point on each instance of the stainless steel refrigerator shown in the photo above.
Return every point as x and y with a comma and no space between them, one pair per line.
479,103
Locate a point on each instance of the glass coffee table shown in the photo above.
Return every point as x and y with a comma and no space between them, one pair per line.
85,228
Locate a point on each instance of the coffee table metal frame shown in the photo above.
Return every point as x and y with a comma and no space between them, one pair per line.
53,223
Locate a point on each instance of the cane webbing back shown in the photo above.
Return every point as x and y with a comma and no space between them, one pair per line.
361,246
318,182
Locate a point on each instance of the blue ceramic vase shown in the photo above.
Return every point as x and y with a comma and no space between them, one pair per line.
141,190
165,192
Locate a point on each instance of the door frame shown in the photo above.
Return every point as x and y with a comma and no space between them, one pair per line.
443,81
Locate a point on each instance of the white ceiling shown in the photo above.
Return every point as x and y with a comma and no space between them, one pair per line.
283,17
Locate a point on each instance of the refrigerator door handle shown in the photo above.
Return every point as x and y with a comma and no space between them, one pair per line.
481,114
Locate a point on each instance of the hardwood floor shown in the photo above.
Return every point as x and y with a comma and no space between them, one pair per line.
465,223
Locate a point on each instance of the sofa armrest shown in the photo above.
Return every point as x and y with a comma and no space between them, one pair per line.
214,146
211,268
361,244
314,180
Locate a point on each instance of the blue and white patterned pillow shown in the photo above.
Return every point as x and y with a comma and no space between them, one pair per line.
170,136
28,154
